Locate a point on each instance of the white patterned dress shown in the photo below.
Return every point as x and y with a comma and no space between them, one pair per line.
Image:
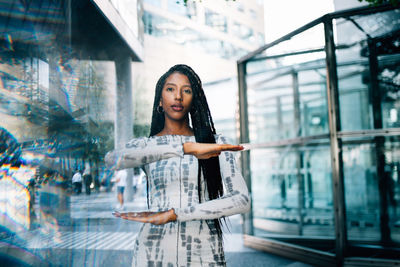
192,239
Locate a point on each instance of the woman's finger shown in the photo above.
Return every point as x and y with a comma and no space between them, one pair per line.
228,147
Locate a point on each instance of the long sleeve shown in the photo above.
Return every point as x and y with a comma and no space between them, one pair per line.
143,150
235,200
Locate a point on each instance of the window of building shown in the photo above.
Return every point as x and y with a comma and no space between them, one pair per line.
241,31
155,25
239,7
180,34
156,3
260,38
253,14
215,20
178,7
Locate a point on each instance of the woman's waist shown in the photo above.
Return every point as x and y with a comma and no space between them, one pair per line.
176,201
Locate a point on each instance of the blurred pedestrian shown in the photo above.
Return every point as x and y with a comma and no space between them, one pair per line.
77,182
120,180
96,180
87,179
137,178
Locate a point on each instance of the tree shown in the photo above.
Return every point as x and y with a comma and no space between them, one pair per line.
380,2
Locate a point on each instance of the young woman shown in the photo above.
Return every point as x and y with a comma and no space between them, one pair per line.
192,178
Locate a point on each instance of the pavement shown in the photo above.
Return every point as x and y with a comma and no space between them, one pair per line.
96,238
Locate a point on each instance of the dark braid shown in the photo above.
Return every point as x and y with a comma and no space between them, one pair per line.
204,131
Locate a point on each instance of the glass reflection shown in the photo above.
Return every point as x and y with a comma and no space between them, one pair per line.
299,199
55,118
363,192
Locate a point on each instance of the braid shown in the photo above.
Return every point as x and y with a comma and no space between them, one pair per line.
204,131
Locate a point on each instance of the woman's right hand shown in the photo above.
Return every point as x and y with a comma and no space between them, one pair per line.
206,151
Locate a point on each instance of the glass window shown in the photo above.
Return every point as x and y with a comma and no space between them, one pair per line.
156,3
366,188
366,103
215,20
361,192
253,14
179,7
299,199
242,31
239,7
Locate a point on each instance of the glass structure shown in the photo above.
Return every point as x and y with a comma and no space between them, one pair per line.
57,114
321,108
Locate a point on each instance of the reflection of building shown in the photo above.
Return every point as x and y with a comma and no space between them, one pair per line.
207,35
51,95
326,121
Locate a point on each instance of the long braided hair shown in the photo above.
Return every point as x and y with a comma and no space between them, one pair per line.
204,131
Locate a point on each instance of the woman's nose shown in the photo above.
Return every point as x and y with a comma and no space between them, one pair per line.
178,95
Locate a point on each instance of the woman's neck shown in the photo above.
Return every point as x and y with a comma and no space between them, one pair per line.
176,128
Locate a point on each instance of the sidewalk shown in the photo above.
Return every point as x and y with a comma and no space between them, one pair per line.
237,255
99,239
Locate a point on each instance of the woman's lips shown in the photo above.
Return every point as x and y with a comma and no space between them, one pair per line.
177,108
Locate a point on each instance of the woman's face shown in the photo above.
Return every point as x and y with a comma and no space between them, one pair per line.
176,97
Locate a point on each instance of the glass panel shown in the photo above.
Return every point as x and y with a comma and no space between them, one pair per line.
379,24
356,72
272,105
363,192
389,85
392,167
299,199
312,38
287,99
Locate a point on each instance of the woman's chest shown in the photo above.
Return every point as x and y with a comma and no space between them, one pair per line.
173,170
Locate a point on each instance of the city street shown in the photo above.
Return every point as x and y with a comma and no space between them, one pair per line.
96,238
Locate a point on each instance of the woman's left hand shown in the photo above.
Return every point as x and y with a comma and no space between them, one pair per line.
157,218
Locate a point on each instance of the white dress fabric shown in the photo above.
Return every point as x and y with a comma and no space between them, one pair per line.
192,239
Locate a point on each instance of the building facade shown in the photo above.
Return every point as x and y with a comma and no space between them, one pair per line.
209,36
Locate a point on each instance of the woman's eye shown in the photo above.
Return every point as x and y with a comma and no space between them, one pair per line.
188,91
169,89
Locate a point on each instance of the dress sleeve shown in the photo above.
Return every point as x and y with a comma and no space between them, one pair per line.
236,197
143,150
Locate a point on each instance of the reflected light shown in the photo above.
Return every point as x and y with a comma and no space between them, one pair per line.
393,115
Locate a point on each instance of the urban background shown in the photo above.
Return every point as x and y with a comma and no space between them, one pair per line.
77,79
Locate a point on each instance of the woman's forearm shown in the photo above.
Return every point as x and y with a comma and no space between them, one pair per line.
141,151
